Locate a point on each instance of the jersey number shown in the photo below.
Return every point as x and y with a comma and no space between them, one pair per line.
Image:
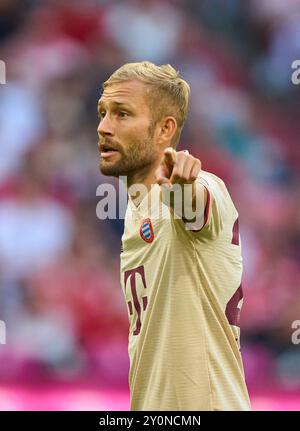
232,311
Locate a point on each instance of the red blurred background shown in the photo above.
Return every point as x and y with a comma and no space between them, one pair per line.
60,296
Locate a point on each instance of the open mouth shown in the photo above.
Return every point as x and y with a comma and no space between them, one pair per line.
107,151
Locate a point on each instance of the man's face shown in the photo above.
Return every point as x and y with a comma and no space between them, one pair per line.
126,130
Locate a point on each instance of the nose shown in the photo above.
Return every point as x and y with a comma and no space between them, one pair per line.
105,127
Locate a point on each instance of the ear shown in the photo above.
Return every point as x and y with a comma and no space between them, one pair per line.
166,130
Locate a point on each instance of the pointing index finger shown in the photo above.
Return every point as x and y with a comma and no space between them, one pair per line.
170,156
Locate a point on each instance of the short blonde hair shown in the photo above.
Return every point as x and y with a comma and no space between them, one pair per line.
168,95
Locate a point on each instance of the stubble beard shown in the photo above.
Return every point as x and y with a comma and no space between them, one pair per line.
139,157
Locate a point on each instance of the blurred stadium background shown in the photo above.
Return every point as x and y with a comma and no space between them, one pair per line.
60,297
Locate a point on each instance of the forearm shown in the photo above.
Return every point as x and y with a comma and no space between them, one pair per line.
186,201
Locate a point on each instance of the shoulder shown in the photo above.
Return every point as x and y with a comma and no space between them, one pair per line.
215,186
220,210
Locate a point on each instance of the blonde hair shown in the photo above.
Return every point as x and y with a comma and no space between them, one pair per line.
168,95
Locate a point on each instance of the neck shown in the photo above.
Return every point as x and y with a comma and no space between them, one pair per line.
145,177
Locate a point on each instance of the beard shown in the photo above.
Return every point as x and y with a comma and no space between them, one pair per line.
137,157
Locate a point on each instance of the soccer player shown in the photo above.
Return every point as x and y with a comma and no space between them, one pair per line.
181,276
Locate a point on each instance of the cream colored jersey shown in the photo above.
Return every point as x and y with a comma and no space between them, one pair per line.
183,293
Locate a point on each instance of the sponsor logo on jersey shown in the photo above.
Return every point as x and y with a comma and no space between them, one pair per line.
146,230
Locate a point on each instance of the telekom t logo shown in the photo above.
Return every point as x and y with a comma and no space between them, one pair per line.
131,276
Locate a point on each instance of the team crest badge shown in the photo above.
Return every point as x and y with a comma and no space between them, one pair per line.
146,230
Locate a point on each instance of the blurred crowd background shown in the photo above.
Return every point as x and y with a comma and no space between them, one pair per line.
60,296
